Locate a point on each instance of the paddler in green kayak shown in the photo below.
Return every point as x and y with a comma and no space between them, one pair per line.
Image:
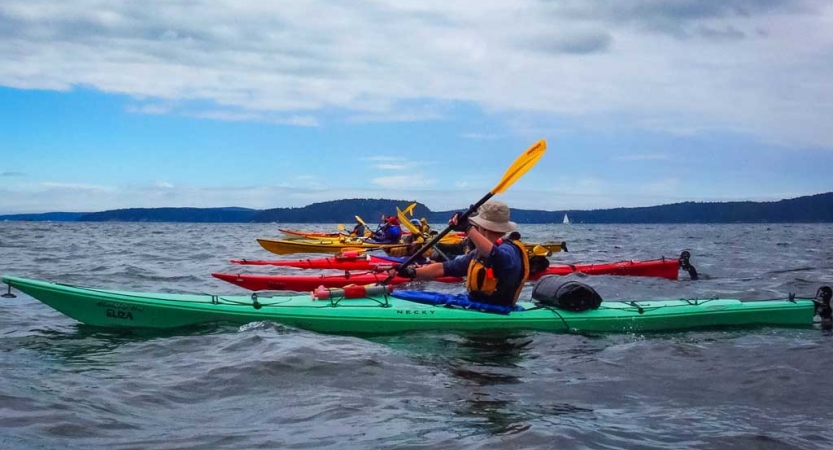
495,270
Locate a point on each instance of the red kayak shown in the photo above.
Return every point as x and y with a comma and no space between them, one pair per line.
348,261
310,283
661,268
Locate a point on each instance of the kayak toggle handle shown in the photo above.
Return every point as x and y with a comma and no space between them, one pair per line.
685,264
823,308
352,291
256,304
9,293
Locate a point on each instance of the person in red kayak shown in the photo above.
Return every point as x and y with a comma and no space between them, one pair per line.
495,270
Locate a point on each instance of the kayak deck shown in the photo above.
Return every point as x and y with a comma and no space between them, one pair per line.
380,315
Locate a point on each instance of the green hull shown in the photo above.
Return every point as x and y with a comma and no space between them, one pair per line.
110,308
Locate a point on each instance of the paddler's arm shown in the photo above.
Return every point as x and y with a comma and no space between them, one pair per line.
429,272
426,272
481,243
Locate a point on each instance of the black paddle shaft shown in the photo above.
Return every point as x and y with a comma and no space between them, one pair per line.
472,209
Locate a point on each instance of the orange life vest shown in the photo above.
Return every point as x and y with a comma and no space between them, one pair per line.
481,280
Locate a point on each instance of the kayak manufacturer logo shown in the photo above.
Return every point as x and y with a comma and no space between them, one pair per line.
116,310
419,312
126,315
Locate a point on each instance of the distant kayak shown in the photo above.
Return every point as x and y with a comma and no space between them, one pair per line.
311,234
290,246
332,246
385,313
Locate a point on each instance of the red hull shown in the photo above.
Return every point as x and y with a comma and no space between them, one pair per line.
310,283
661,268
362,262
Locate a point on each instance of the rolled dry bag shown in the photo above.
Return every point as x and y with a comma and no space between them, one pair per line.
571,295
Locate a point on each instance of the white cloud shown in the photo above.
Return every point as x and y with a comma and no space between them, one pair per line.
403,181
382,162
758,68
249,116
389,166
152,109
381,158
75,186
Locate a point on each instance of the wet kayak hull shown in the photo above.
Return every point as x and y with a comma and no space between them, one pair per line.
660,268
298,234
331,246
382,315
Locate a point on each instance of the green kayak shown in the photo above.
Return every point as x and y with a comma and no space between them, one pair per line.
386,314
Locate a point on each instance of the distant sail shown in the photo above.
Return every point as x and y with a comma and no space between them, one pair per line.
566,220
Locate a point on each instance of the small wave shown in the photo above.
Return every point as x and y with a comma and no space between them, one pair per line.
797,269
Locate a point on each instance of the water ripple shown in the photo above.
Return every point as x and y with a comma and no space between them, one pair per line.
265,385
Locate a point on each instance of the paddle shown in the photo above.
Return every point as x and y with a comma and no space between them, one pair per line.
359,220
410,209
406,223
413,229
522,164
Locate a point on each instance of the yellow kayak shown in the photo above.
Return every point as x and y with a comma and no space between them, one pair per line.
333,246
298,234
451,238
455,238
552,246
456,248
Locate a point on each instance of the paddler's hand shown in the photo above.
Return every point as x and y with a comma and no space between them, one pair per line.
404,272
459,223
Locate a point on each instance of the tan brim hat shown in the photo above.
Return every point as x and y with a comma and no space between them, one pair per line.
494,216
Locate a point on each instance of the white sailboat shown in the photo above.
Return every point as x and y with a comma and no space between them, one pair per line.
566,220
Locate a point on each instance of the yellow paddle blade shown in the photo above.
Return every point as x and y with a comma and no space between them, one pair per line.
341,227
359,219
410,209
406,223
521,165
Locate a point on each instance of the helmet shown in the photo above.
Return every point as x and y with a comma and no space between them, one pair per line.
415,222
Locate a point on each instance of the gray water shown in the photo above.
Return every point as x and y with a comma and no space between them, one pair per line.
264,385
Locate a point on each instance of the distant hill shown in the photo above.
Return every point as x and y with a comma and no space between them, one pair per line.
808,209
199,215
370,210
44,217
812,208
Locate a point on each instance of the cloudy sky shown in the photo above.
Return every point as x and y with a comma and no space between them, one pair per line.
115,104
